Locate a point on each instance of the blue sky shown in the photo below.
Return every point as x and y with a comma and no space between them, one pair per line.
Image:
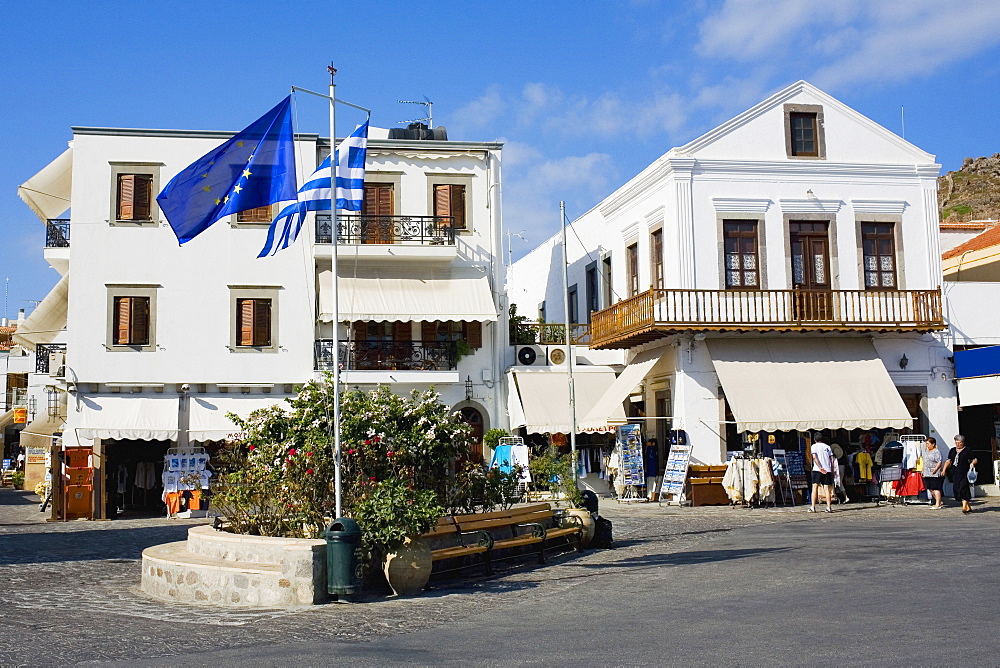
585,94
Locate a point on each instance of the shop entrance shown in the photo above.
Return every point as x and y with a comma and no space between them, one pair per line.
981,426
133,486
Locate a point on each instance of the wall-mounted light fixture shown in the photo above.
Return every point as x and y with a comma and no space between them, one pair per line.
903,361
468,388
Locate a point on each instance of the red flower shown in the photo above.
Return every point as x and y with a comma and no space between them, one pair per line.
309,471
372,478
376,439
252,448
390,453
351,451
309,454
368,442
291,451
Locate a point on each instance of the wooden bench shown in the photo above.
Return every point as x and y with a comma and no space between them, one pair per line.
486,533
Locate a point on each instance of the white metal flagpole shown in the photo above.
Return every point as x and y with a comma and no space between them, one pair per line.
337,459
569,350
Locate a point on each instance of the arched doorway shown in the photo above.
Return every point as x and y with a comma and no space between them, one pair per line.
472,417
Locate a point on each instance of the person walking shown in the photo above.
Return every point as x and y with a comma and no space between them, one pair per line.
960,461
823,463
933,472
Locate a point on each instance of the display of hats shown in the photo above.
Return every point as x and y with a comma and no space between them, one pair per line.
838,451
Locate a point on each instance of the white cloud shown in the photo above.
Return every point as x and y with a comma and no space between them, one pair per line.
480,112
836,43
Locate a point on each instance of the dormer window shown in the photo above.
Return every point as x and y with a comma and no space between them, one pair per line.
804,136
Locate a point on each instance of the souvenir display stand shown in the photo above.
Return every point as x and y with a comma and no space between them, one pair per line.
186,481
675,475
632,475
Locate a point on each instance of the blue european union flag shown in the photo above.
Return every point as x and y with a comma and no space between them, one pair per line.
254,168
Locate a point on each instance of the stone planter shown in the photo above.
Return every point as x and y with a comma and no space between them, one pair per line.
409,568
582,517
220,568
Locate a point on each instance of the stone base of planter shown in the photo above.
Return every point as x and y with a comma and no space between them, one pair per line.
220,568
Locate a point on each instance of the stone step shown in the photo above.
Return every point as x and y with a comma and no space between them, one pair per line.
177,553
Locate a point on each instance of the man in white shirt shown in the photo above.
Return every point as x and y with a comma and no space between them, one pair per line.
823,463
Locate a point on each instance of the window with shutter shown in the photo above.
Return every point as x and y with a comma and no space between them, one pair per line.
377,211
135,197
474,334
449,200
131,321
261,214
254,317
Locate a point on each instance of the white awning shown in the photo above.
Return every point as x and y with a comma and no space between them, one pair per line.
608,409
48,192
208,421
979,391
129,417
543,397
38,432
801,384
7,419
407,299
48,318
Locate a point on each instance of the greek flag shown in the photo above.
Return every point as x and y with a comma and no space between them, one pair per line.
315,194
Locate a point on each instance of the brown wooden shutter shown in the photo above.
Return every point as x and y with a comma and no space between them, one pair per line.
458,206
428,332
142,197
126,196
262,322
122,319
442,200
402,332
244,310
261,214
474,334
359,330
385,203
140,321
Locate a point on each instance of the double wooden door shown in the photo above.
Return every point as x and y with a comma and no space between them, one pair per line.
813,295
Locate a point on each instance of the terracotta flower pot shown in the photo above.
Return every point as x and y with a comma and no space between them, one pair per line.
409,568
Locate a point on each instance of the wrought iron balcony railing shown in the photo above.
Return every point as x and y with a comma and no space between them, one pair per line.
57,233
43,355
387,355
657,312
355,229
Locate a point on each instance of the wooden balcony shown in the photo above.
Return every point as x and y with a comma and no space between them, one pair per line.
657,313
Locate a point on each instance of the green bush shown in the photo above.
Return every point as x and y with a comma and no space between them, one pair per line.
554,472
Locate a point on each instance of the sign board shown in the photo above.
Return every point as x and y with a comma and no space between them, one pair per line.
629,441
796,464
6,464
675,475
20,416
35,455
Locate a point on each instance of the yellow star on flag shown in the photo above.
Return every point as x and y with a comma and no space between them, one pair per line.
205,175
246,173
218,201
207,188
240,143
237,188
226,199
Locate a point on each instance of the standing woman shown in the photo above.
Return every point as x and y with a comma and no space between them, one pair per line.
933,471
959,462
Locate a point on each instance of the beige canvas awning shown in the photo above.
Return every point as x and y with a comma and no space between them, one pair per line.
125,417
979,391
801,384
7,419
407,299
38,432
48,192
542,397
48,318
208,421
608,409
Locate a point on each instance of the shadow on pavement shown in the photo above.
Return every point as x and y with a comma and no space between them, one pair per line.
689,558
18,497
89,545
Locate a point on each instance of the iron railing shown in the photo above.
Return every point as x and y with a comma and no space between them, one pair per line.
57,233
388,355
658,312
42,355
355,229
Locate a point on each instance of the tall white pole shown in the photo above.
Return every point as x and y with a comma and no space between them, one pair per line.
337,459
569,349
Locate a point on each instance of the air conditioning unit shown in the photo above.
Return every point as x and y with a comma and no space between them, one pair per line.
57,363
557,356
531,356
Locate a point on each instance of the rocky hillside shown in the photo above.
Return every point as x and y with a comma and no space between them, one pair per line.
971,193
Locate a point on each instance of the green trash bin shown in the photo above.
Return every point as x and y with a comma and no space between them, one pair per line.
343,538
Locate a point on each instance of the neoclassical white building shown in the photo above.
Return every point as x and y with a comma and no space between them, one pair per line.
781,274
158,342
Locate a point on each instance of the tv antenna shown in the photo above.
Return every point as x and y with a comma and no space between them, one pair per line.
519,235
430,112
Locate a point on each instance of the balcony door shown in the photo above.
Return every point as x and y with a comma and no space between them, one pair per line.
813,296
376,214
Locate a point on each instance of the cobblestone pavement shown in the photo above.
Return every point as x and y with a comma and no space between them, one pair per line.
68,591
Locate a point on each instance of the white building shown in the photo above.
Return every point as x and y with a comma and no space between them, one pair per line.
779,274
162,341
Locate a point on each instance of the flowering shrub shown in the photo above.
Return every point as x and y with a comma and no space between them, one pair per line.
278,480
